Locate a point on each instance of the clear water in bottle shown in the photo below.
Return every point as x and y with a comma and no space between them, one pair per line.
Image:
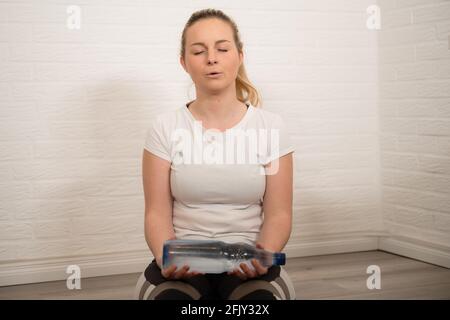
213,256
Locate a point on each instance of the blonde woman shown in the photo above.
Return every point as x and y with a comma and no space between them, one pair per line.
231,201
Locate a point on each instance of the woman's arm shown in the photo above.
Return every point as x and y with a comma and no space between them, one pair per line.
277,205
158,203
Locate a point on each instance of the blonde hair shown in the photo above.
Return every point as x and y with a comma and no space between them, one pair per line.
245,90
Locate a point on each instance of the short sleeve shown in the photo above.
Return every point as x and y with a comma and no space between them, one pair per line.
156,141
280,142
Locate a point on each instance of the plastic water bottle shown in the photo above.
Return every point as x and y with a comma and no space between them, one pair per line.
212,256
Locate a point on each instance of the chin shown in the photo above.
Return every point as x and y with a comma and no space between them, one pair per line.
216,86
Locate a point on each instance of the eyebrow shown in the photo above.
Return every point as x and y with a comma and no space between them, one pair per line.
202,44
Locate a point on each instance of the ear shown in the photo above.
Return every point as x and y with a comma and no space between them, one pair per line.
183,64
241,58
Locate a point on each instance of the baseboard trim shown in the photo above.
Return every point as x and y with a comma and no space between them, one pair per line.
131,262
332,246
25,272
90,266
412,249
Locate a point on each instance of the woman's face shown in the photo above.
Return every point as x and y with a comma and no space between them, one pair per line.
205,43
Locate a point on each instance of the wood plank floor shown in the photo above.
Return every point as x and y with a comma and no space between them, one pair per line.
337,276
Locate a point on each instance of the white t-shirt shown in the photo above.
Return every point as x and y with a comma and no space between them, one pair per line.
218,200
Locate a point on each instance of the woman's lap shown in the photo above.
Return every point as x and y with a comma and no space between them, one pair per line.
214,286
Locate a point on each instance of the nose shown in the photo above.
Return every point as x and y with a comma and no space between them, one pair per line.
211,58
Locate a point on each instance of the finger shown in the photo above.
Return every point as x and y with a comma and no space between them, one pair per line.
260,269
172,272
241,275
248,272
245,269
232,272
240,272
195,273
237,273
169,271
180,273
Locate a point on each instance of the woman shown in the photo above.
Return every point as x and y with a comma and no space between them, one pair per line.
191,198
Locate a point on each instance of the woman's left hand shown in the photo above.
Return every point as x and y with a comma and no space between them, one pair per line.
248,273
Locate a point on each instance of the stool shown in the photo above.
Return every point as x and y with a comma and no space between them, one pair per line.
285,287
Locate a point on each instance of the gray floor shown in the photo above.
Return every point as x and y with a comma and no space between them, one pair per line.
338,276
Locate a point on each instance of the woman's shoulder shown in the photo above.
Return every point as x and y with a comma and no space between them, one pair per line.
266,117
167,118
168,115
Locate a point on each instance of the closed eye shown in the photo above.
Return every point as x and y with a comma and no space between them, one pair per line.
197,53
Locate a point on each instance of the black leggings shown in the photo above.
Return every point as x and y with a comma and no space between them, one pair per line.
212,286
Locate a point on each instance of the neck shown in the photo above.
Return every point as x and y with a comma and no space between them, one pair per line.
217,107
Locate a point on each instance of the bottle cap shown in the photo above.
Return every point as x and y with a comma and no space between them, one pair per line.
165,255
279,259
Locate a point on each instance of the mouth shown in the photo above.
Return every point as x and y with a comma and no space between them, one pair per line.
214,74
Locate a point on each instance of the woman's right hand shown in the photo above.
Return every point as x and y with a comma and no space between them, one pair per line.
172,273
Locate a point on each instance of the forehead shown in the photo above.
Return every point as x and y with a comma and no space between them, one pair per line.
209,30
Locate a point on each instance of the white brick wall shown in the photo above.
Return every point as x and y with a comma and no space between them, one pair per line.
75,104
415,120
